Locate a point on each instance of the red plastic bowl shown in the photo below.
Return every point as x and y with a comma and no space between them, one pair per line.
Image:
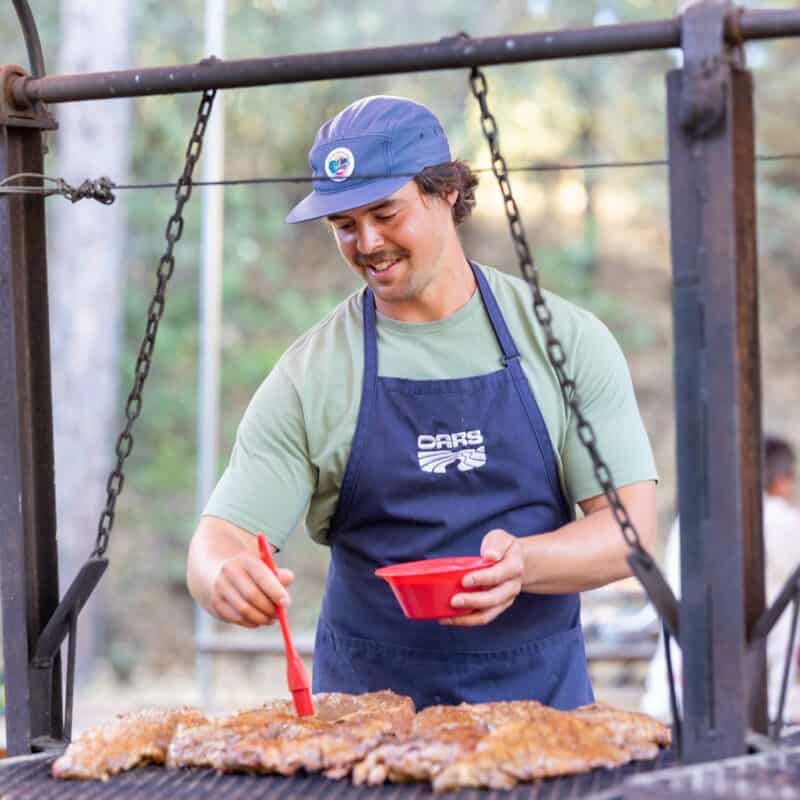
424,588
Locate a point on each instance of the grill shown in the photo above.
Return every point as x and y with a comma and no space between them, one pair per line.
29,777
769,776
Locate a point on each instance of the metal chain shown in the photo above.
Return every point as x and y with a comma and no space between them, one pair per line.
166,266
555,351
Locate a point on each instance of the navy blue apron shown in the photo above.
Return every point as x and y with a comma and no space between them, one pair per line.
434,466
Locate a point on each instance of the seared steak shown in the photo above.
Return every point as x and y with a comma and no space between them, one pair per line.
129,741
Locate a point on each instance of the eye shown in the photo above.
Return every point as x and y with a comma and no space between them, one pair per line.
385,217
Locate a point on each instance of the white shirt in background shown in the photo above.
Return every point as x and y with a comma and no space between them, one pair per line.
782,549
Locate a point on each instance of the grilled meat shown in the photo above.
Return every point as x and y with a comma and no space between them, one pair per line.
203,745
129,741
639,733
497,714
440,736
273,739
418,757
375,737
552,743
330,747
434,719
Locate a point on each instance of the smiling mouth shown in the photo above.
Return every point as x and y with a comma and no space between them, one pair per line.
383,266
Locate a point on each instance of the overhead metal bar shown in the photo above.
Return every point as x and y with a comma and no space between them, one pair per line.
450,53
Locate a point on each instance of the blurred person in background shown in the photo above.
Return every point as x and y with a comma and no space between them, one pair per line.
782,556
420,419
782,550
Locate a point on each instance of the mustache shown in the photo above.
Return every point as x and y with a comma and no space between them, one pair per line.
380,257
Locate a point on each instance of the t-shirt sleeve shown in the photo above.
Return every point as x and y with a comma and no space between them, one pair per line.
608,402
269,479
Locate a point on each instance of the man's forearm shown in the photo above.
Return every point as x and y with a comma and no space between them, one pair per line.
213,542
589,552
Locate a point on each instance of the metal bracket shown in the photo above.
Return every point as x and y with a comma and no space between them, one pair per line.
790,593
15,111
766,622
706,53
63,623
658,591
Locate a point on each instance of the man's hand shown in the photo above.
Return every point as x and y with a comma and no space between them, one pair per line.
226,576
499,584
246,592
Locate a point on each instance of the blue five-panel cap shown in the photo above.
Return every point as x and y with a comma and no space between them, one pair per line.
369,151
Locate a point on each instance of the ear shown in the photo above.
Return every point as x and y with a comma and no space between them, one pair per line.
451,197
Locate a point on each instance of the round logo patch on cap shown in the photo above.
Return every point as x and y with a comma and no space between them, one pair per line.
340,163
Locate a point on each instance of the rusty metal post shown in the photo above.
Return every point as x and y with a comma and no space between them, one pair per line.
717,385
28,555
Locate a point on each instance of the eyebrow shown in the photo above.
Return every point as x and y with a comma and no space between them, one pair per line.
376,207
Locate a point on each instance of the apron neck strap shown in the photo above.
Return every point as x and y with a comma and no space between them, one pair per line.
370,338
501,331
499,326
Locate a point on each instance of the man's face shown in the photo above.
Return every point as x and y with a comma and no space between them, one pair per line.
398,246
783,486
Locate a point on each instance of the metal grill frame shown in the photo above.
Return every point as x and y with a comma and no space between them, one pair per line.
766,776
28,777
715,311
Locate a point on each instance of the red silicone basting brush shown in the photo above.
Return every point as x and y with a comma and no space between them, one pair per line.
296,675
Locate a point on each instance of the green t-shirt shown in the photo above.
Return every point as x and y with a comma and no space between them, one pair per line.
294,440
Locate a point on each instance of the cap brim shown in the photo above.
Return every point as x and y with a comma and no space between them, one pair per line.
322,204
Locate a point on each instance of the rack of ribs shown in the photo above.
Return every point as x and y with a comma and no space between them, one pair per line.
440,736
639,733
496,745
129,741
552,744
375,738
274,740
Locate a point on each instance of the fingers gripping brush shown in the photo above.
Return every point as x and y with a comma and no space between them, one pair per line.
296,675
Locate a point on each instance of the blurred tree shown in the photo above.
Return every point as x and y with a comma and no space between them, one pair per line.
87,249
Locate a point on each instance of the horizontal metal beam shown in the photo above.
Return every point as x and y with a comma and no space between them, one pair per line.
769,24
451,53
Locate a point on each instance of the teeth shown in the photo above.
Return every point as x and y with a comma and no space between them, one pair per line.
383,265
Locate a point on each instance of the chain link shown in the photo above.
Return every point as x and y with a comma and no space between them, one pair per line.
166,266
555,351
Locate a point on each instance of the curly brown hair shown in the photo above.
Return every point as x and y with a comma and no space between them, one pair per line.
441,179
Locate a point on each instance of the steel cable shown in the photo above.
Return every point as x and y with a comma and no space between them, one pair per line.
102,187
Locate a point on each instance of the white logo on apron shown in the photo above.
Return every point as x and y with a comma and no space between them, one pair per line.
436,452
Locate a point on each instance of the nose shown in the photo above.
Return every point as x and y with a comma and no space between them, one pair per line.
369,239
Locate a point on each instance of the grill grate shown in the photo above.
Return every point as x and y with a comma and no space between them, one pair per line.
28,777
767,776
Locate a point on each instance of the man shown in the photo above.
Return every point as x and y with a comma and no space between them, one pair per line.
782,556
435,355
